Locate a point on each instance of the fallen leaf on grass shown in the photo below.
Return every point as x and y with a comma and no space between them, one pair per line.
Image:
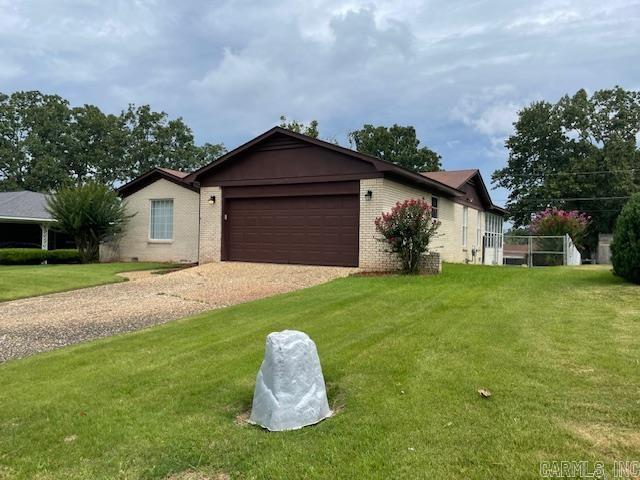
484,393
70,438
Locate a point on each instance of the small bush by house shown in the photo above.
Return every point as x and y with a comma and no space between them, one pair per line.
625,248
34,256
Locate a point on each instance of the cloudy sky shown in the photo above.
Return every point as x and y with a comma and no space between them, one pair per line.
456,70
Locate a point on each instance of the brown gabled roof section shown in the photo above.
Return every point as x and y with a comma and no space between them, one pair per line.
453,178
380,165
457,178
175,173
138,183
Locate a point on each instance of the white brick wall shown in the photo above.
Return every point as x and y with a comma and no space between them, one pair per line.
448,242
135,242
210,225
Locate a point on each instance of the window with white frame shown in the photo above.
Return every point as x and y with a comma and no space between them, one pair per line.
465,225
161,219
479,230
434,207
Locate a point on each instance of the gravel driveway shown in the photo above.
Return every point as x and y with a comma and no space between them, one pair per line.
43,323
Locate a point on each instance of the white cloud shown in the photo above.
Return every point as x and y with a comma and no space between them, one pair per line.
490,111
497,119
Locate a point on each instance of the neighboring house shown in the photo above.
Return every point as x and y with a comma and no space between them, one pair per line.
284,197
25,222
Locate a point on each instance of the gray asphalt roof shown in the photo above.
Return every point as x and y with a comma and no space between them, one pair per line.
24,204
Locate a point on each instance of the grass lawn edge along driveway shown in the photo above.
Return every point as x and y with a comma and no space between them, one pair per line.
22,281
403,358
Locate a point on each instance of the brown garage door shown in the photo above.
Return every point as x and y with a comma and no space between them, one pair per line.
311,230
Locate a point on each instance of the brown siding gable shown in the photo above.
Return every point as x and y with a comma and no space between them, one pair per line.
278,140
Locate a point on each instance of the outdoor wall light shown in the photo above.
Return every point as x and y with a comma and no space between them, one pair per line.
212,200
368,195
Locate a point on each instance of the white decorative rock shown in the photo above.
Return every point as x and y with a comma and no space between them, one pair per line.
290,391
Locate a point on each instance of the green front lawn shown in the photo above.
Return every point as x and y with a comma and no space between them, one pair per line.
403,358
19,281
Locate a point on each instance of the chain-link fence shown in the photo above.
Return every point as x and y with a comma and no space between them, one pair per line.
540,251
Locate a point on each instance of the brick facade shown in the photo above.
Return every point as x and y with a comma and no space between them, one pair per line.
448,242
431,264
210,225
136,244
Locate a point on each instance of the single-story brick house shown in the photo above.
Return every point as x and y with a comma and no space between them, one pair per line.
284,197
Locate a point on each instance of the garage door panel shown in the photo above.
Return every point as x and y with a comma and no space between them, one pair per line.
318,230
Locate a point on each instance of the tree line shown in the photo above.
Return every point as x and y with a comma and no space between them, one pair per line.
46,144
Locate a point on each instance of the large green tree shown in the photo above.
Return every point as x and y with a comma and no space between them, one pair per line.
396,144
153,140
33,130
45,144
577,154
95,147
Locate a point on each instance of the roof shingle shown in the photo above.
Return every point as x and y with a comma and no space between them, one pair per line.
24,204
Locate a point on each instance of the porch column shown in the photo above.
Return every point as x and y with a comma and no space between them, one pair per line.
44,243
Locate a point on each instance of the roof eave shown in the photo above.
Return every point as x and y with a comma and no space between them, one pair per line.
417,179
138,183
497,209
9,218
492,206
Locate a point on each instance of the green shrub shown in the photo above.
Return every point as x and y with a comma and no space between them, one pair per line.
64,256
34,256
625,248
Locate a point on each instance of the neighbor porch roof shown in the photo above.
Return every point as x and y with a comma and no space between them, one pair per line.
24,206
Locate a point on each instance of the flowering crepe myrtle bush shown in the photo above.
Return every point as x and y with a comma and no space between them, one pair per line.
407,230
554,221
